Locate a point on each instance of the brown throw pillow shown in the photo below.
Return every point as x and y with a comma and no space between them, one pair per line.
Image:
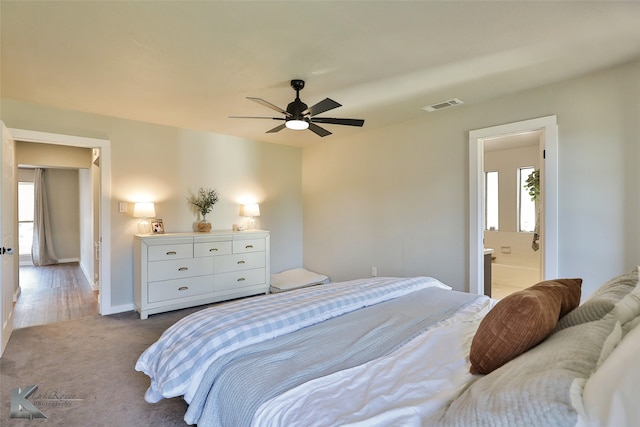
521,321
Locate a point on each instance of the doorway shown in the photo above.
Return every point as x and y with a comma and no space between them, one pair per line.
547,128
57,278
103,192
513,204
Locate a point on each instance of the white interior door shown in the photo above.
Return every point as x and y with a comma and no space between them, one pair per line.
8,223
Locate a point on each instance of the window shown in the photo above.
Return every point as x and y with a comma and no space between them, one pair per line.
526,206
491,200
25,217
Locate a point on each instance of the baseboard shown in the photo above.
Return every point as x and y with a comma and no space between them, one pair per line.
67,260
17,293
95,286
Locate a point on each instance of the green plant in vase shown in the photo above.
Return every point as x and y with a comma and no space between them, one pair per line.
203,203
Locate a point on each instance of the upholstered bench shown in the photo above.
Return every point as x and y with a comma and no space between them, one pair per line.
296,278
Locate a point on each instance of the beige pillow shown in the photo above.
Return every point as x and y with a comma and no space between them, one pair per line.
521,321
604,300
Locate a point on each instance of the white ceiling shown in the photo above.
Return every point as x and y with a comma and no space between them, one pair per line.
192,64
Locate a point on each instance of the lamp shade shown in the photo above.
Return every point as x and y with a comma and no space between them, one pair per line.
251,210
144,210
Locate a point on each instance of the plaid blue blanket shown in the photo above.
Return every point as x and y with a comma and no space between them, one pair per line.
178,360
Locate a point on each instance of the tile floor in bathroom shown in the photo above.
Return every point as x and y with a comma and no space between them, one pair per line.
499,291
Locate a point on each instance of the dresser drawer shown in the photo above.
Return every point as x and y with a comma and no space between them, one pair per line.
174,269
238,279
212,248
248,245
170,251
226,263
179,288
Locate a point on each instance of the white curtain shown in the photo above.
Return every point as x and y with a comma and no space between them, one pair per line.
42,250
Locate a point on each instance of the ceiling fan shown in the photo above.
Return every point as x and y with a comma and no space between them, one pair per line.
298,116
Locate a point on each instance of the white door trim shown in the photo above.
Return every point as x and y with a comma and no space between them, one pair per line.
104,145
549,184
8,235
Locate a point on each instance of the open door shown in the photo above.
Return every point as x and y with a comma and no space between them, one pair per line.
8,209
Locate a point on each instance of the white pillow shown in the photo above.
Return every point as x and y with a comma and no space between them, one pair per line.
610,394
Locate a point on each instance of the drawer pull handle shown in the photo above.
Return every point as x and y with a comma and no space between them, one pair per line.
183,288
172,253
241,279
240,262
183,268
213,250
249,247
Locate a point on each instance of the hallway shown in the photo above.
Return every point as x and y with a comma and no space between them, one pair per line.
53,293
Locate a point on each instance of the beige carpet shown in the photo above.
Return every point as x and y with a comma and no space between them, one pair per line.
84,370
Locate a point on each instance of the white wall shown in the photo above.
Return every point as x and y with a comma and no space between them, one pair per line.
393,198
397,198
64,212
164,164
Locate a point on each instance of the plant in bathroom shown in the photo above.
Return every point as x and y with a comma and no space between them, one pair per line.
532,185
203,203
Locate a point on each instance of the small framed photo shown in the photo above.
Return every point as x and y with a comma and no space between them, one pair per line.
157,227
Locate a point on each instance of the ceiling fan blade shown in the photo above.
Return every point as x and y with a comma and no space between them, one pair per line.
268,105
276,129
318,130
322,106
333,121
254,117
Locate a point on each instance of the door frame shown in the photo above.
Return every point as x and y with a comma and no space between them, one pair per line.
104,297
549,189
8,235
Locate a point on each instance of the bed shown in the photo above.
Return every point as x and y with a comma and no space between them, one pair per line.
401,352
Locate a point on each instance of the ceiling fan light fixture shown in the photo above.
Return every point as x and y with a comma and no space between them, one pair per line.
297,124
298,116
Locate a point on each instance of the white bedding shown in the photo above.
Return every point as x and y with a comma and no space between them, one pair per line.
610,395
426,381
405,388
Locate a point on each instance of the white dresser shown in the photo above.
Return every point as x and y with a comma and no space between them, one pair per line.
178,270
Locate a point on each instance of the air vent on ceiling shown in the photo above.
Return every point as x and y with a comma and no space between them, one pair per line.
444,104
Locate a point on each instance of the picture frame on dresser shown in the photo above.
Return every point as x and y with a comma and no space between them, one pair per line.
157,226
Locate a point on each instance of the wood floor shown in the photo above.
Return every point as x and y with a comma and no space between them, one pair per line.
51,294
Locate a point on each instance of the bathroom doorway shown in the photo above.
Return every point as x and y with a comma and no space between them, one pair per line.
548,178
513,203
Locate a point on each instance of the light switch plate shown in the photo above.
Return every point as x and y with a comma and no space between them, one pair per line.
122,207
